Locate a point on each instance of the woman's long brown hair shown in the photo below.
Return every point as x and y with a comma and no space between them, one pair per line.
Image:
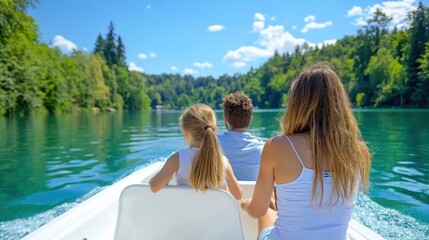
319,105
208,170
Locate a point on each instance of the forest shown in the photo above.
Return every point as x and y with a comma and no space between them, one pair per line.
381,66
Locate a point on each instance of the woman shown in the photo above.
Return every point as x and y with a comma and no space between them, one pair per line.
316,165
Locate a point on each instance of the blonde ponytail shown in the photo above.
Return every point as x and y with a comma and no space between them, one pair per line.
208,170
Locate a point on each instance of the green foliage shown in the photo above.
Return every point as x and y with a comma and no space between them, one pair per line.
121,61
378,66
419,36
388,76
136,99
100,45
423,77
184,100
360,99
52,85
18,59
94,77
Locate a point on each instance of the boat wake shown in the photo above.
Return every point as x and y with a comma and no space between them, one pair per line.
389,223
18,228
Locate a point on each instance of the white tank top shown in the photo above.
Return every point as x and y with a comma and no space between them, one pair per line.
299,218
186,157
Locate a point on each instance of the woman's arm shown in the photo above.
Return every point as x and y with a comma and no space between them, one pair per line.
257,206
162,178
232,183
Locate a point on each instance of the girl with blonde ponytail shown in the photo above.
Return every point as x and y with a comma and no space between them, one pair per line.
202,165
316,165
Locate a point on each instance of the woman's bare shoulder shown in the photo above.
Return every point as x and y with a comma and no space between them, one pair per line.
275,143
277,140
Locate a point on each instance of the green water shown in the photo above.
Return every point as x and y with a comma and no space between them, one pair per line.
48,164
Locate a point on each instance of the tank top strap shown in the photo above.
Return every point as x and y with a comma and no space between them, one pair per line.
296,153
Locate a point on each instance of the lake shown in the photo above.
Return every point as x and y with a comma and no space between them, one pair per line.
48,164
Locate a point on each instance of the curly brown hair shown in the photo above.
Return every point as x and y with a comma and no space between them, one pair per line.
237,108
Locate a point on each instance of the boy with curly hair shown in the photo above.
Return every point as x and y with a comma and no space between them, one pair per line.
241,148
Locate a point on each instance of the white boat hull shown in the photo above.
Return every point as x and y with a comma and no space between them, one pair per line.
96,217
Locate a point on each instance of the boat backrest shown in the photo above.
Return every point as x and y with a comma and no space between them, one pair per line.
177,212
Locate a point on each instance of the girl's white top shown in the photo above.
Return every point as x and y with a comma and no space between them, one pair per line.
186,157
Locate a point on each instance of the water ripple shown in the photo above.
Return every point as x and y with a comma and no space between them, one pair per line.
389,223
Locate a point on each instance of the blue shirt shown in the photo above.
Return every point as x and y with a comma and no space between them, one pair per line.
243,152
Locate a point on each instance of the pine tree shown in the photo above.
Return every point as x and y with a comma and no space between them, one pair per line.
121,53
110,51
377,27
419,35
99,45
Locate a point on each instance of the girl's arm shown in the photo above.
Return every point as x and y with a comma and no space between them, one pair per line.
163,177
232,183
257,206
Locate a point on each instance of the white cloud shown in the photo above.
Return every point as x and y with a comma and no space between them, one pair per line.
360,21
62,43
203,64
312,24
238,64
133,67
174,68
276,38
258,22
327,42
355,11
142,56
239,57
258,26
273,18
259,17
330,42
215,28
309,18
148,6
146,56
190,71
397,10
294,27
272,38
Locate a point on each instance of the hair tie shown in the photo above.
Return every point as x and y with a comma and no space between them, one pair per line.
207,127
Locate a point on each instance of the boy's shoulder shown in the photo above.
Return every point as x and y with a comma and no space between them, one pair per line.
245,135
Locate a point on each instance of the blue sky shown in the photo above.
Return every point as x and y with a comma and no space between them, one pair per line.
204,38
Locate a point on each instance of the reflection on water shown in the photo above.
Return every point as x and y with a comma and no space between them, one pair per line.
48,164
400,175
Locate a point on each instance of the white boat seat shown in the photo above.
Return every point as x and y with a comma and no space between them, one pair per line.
177,212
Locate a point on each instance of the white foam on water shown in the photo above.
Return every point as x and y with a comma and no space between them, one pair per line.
389,223
18,228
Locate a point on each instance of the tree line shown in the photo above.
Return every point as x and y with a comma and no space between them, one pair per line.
380,67
35,77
